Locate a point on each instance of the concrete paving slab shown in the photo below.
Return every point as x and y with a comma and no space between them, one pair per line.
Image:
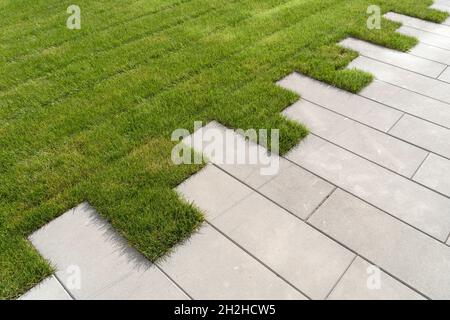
426,37
430,52
401,197
445,76
90,256
409,102
233,153
396,58
442,7
353,106
436,28
407,254
435,173
424,134
209,266
297,190
48,289
309,260
213,191
369,143
432,88
357,284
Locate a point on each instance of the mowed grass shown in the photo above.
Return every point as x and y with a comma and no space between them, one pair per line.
87,115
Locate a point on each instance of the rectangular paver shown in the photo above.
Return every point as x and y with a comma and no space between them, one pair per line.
357,285
418,260
353,106
430,52
435,173
403,78
401,197
306,258
48,289
436,28
213,190
292,187
397,58
233,153
426,37
209,266
410,102
445,76
424,134
296,190
369,143
80,243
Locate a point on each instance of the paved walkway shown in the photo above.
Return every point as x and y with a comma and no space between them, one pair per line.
369,186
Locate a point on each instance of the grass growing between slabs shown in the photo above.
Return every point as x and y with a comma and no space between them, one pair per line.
87,115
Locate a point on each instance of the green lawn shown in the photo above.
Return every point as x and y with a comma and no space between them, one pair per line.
87,114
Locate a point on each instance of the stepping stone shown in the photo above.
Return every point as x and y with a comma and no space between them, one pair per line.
209,266
354,285
435,174
282,187
440,29
409,102
369,143
405,79
306,258
407,254
396,58
433,53
48,289
401,197
445,76
81,243
350,105
426,37
424,134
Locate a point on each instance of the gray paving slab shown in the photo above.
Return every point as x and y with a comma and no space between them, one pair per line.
432,88
48,289
426,37
296,190
233,153
401,197
424,134
410,102
213,191
397,58
435,173
91,257
442,7
445,76
357,284
369,143
210,266
409,255
430,52
309,260
353,106
440,29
